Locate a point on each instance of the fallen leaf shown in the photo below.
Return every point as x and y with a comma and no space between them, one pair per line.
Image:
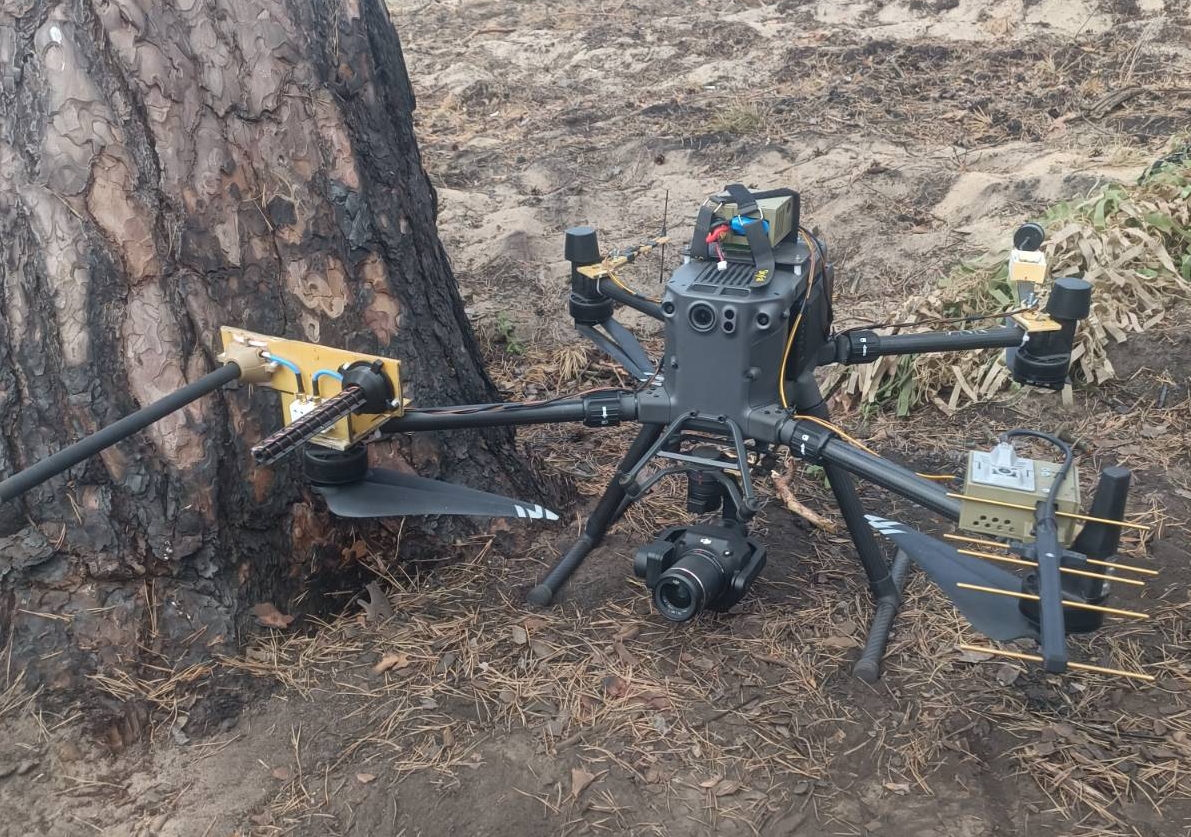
712,782
726,788
628,633
365,778
269,616
376,606
900,788
623,653
541,650
388,661
519,634
282,773
533,623
654,700
1007,674
1063,730
614,686
974,657
580,779
840,642
356,551
444,664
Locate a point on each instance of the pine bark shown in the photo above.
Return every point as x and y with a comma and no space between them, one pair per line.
167,168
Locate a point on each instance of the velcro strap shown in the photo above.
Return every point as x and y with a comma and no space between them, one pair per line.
758,240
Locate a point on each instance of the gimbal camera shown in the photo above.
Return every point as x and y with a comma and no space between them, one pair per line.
747,319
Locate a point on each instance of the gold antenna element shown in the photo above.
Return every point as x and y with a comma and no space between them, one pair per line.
1131,614
1071,515
1034,658
1068,570
619,258
1110,564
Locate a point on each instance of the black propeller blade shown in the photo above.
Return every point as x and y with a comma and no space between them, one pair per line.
996,617
386,493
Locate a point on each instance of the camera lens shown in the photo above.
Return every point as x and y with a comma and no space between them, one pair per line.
702,316
685,589
676,597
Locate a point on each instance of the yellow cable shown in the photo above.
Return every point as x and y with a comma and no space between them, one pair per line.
857,443
781,372
839,432
616,281
786,357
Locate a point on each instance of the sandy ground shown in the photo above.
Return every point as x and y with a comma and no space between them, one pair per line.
919,133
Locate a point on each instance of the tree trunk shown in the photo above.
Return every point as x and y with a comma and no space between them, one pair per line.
166,168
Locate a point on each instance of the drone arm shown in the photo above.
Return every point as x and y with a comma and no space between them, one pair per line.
816,443
866,346
618,343
628,298
1038,344
602,409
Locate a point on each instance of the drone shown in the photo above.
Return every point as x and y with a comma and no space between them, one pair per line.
747,319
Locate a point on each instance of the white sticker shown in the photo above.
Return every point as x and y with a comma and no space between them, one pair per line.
299,408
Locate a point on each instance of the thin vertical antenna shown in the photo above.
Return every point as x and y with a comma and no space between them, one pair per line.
662,254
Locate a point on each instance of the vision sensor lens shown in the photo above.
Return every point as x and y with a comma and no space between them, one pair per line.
702,317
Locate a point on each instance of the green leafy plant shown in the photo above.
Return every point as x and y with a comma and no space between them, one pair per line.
506,332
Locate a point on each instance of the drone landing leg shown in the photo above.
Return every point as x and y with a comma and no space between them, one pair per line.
611,506
868,666
884,582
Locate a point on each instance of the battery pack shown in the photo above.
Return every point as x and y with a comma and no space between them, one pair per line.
777,212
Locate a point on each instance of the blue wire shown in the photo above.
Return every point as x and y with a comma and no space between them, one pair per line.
324,373
288,364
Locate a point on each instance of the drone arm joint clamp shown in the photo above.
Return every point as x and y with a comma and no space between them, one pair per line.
808,440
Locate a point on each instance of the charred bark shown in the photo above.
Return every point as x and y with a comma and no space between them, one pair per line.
166,168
